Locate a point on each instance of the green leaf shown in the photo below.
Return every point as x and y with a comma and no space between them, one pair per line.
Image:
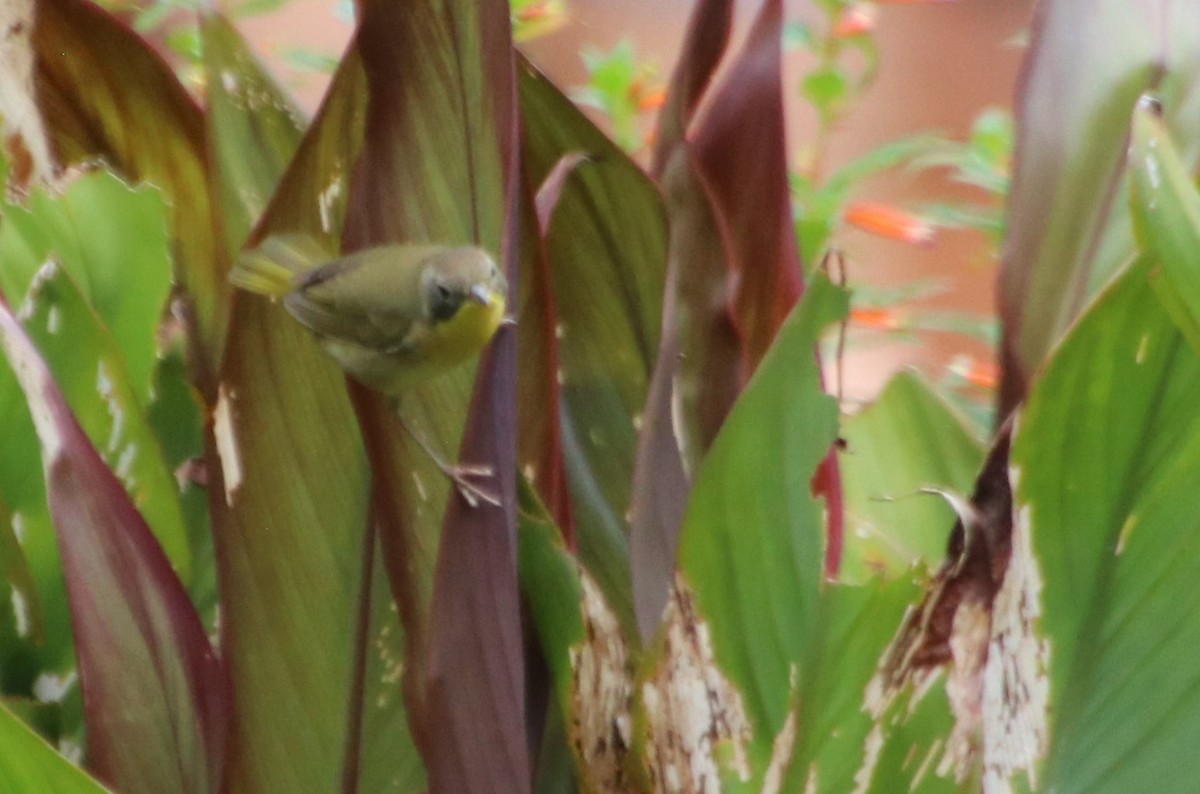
28,764
831,701
826,87
1106,549
22,626
290,486
752,540
606,246
550,582
1166,215
113,241
906,440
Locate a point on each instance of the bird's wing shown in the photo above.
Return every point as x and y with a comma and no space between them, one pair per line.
364,298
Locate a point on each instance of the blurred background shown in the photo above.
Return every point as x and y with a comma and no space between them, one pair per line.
940,64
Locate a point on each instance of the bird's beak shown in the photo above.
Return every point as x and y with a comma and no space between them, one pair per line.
480,294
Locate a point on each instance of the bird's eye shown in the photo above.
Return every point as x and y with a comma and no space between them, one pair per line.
443,302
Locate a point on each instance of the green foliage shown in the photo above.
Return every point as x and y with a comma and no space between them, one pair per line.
622,88
906,441
180,460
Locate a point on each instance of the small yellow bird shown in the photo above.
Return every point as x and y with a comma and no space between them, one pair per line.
392,316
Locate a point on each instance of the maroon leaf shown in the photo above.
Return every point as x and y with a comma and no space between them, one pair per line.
707,37
741,154
155,694
104,93
539,422
734,274
1067,227
551,188
660,485
439,164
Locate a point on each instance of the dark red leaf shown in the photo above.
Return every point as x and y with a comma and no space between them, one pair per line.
741,152
104,93
155,694
695,263
439,164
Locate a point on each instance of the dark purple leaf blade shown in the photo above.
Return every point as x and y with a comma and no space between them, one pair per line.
439,164
734,275
476,739
694,322
539,420
155,693
741,155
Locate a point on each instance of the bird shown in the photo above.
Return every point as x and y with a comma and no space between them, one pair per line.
392,316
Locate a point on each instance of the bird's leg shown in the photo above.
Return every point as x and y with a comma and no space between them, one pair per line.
458,473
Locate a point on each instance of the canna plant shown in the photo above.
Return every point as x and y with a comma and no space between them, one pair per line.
229,569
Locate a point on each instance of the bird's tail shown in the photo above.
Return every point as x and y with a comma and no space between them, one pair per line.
271,268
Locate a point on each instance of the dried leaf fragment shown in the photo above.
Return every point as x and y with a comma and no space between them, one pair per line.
690,707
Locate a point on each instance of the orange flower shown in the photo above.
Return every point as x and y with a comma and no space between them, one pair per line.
880,318
984,374
884,220
652,99
646,97
855,20
537,10
538,18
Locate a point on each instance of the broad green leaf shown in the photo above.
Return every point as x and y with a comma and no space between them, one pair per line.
157,696
1166,215
1099,656
115,99
289,495
550,582
908,439
387,758
175,413
112,240
854,623
908,744
606,247
29,765
752,542
1067,229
